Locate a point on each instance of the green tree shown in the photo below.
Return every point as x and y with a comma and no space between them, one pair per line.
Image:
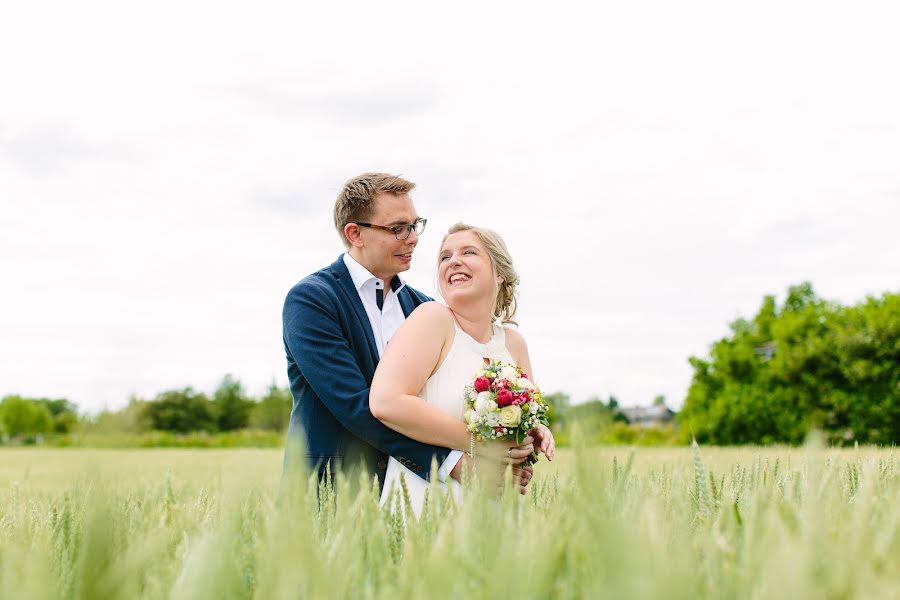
809,363
559,405
63,413
132,418
181,411
592,417
24,417
232,407
273,411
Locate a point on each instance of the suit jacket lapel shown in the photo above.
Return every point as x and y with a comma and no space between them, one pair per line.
406,302
345,284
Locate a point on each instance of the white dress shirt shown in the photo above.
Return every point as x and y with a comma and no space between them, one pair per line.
385,322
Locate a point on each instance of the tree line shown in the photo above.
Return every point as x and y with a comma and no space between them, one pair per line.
807,363
184,410
21,416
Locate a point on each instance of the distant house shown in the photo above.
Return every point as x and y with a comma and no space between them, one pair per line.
648,416
766,351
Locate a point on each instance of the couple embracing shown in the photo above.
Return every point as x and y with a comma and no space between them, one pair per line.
393,408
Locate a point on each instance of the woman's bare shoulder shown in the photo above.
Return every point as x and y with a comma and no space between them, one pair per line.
518,349
432,314
514,338
428,331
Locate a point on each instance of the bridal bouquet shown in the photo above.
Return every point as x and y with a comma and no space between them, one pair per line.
502,404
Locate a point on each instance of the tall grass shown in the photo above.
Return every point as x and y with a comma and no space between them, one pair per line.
686,523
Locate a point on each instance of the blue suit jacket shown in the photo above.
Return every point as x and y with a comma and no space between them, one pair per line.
331,358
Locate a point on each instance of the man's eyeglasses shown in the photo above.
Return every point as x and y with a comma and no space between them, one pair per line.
401,232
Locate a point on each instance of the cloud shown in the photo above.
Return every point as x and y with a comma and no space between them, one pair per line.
444,190
343,101
52,150
449,185
650,191
309,195
295,202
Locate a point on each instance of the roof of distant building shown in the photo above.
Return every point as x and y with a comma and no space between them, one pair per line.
658,412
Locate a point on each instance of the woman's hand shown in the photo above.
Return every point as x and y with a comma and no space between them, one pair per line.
543,438
505,451
491,460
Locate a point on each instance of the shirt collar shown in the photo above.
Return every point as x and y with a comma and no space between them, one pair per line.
361,275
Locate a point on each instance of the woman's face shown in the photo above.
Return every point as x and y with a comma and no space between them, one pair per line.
465,271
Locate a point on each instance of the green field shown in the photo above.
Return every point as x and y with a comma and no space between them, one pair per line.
602,522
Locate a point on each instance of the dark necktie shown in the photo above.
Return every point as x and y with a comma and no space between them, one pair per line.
379,298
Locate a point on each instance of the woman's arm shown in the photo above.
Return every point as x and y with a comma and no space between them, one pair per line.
410,358
518,349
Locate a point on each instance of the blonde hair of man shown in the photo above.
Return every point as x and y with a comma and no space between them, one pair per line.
356,201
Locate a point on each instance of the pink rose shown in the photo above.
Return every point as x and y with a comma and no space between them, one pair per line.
504,398
482,384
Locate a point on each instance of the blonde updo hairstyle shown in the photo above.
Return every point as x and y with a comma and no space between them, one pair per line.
506,301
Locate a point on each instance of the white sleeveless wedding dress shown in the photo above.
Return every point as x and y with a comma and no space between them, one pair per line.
444,389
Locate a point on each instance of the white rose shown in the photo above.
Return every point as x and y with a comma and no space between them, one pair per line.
471,416
491,406
508,372
532,407
510,416
481,402
493,419
524,383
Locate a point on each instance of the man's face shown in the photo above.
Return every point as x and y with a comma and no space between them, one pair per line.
382,253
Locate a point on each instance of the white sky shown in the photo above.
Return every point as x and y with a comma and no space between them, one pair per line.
167,172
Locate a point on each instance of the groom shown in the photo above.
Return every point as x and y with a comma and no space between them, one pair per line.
336,324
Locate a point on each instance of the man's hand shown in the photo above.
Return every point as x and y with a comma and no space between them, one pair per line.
522,477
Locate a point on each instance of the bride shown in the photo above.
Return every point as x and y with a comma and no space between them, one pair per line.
418,386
